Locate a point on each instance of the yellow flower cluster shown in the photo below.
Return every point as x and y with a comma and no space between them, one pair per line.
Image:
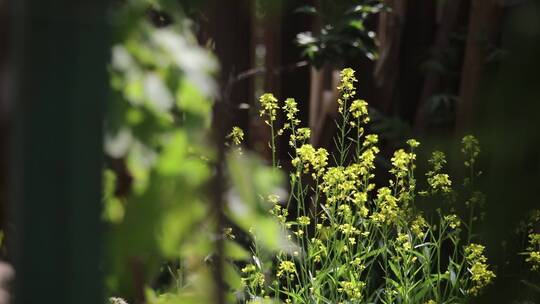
291,108
303,220
309,157
402,163
438,182
404,241
418,226
471,148
359,110
533,251
481,276
340,184
354,228
366,163
346,88
236,135
286,268
413,143
269,105
348,229
437,160
280,213
353,289
370,140
453,221
388,210
303,134
253,277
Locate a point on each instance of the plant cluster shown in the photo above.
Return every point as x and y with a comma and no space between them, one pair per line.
344,32
359,242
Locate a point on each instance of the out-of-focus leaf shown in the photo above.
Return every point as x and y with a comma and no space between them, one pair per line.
190,99
236,252
118,144
177,223
140,161
232,278
113,210
157,94
173,155
305,38
306,9
197,64
247,200
357,24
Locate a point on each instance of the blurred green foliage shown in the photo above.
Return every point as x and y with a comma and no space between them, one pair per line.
161,160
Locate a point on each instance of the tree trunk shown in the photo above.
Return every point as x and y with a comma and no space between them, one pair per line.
483,27
60,52
390,33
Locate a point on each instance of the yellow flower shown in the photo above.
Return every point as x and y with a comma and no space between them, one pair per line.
402,162
236,135
291,108
358,109
388,209
286,267
403,240
471,149
440,182
269,106
352,289
303,220
418,226
309,157
346,88
303,134
481,276
413,143
370,139
452,220
533,251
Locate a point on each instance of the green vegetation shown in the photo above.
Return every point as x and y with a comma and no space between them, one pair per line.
160,159
360,243
348,228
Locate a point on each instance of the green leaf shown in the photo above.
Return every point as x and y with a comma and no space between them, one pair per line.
173,155
236,252
190,99
232,278
177,223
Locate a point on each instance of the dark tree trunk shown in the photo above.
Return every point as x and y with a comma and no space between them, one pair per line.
390,35
59,56
229,28
483,27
